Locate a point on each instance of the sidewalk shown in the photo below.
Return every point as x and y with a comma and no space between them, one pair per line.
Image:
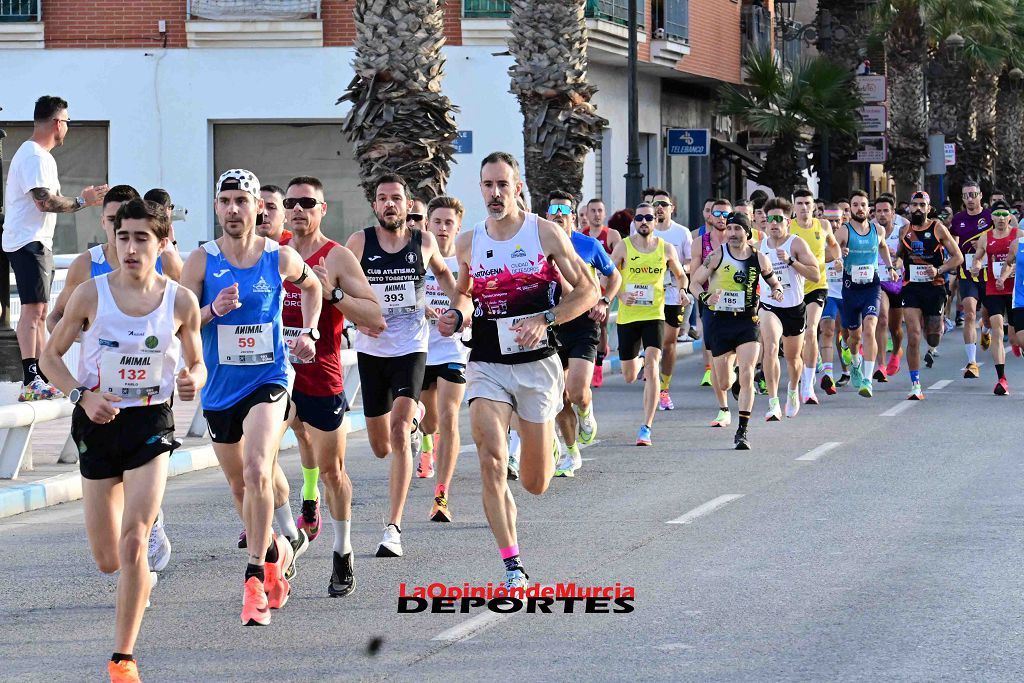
51,483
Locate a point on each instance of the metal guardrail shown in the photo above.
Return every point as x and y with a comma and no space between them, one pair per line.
21,10
615,11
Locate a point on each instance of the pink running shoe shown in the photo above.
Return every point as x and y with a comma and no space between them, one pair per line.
309,519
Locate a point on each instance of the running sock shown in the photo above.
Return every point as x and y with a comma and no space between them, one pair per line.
915,376
441,490
666,380
827,367
272,554
706,368
256,570
972,352
30,369
428,443
283,517
869,369
309,478
599,361
807,378
573,449
121,657
724,409
744,418
1000,367
857,360
510,556
342,535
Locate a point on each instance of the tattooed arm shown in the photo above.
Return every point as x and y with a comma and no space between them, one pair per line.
48,202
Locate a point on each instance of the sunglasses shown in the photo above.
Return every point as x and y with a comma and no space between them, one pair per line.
556,209
971,195
944,215
304,202
413,217
644,217
1015,212
718,213
1000,213
661,203
775,219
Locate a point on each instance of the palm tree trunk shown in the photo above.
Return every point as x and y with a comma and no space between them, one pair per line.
906,53
986,95
950,111
549,77
400,120
1009,164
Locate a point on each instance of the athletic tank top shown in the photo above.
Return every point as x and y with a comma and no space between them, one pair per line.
643,273
892,242
792,282
705,251
132,357
441,349
601,236
243,349
679,237
98,264
922,248
860,266
738,281
1018,284
996,251
512,279
323,376
397,280
815,238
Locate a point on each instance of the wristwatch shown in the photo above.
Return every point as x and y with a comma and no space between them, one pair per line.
789,261
75,395
312,332
605,300
81,201
336,295
549,318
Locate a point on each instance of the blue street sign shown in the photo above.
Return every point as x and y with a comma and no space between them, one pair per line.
464,142
688,142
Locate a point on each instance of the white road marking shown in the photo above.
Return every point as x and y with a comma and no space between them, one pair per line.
941,384
899,408
705,509
819,451
470,627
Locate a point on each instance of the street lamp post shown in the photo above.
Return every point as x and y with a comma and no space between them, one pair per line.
634,178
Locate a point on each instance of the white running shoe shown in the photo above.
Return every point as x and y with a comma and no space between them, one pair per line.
563,467
391,544
774,413
577,458
586,426
159,553
516,578
792,403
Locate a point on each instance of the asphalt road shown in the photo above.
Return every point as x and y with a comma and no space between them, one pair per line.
893,554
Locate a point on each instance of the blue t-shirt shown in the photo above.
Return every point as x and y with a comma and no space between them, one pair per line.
592,253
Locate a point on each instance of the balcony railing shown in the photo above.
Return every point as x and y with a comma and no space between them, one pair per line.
674,19
20,10
252,10
615,11
485,9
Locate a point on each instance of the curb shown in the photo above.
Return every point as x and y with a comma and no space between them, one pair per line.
67,487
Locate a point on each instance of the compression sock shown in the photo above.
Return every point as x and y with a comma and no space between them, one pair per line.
428,443
915,376
342,535
283,517
666,380
310,476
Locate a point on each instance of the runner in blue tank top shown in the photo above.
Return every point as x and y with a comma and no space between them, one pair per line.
238,280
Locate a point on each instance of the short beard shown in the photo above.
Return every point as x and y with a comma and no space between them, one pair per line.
392,226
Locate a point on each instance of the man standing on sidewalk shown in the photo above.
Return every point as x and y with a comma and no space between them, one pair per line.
33,201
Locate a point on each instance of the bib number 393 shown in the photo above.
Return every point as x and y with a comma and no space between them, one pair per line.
396,297
245,344
131,375
507,337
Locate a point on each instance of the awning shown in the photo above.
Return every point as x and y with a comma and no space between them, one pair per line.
737,153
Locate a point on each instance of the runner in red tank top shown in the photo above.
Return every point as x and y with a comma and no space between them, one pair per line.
319,395
593,215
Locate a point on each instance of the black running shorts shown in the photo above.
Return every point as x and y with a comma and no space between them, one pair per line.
133,438
385,379
226,425
646,334
325,413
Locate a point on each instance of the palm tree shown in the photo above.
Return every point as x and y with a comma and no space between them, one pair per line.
790,106
400,120
1009,166
549,77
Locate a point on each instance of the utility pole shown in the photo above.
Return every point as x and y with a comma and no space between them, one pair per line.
634,179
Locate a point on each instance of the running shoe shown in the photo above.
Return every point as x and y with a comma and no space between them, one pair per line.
986,339
577,458
971,371
343,580
959,319
724,419
735,389
929,358
275,580
846,354
516,578
819,366
513,466
556,450
514,449
586,426
242,543
415,444
665,401
915,392
563,468
298,546
856,378
439,512
948,325
774,413
828,385
865,388
598,379
391,544
39,390
643,437
760,383
888,344
893,366
1002,388
255,611
811,399
843,380
792,402
159,547
693,334
1016,350
425,467
705,381
125,671
741,440
309,518
879,376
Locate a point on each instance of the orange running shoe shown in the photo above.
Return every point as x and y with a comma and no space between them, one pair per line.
125,671
255,611
276,586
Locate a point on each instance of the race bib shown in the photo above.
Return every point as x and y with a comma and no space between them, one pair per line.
968,262
997,268
730,301
245,344
863,274
396,297
131,375
883,273
507,338
919,273
834,273
644,294
290,334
